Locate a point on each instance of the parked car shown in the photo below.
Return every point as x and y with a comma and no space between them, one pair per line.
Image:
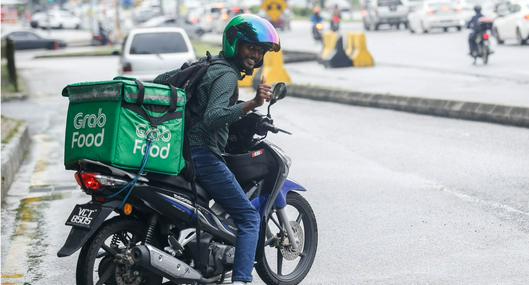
436,14
193,31
147,52
512,22
32,40
380,12
58,19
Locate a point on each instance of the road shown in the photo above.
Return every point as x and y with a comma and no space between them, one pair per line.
434,65
400,198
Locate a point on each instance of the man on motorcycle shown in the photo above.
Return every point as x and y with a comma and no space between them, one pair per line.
474,25
316,17
246,39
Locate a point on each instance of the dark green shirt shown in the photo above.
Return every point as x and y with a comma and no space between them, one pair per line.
216,93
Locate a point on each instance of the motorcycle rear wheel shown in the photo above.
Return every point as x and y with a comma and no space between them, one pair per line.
271,270
117,234
486,53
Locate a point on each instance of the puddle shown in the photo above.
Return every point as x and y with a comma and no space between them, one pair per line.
29,242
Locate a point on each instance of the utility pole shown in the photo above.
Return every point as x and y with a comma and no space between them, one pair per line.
178,18
117,30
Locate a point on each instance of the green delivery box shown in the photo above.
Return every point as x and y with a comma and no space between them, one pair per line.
109,121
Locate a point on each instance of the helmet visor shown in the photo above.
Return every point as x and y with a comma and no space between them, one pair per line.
259,31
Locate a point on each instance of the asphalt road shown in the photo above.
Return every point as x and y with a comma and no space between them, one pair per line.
400,198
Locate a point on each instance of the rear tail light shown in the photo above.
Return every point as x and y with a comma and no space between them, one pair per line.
127,67
526,17
430,12
486,36
94,182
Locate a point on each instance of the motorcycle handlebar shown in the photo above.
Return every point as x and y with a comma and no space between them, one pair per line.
273,129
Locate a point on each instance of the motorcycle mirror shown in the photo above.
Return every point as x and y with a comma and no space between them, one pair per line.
279,92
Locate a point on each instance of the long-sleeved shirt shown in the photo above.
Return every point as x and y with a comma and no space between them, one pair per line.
217,94
474,22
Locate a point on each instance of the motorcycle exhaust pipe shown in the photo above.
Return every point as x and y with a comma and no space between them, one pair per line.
168,266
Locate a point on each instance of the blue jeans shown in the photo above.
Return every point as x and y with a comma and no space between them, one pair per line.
220,183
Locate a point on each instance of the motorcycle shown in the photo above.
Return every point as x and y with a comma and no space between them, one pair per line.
483,47
168,228
317,30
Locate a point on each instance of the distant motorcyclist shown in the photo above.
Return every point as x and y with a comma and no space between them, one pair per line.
316,17
336,18
317,26
474,25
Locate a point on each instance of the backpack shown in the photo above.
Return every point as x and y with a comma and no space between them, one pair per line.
188,78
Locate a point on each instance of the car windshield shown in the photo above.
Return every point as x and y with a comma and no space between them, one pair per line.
440,4
157,43
23,36
389,3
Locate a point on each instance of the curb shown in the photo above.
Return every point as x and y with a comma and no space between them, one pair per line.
492,113
12,156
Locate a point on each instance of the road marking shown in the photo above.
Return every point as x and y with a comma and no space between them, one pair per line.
476,200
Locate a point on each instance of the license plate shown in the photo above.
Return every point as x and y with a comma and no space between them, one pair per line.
84,215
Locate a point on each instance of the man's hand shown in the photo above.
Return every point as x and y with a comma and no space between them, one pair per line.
264,93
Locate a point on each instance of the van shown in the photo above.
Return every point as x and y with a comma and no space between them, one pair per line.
380,12
148,52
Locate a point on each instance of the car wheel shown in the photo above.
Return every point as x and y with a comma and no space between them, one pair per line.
497,35
366,26
519,37
459,28
78,26
60,27
445,29
424,30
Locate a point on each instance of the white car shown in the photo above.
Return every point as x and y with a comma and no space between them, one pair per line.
436,14
148,52
55,19
512,22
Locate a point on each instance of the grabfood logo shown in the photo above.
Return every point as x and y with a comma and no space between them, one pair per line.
160,133
89,121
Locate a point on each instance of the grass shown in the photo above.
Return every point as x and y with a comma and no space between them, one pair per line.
8,91
9,129
7,87
201,48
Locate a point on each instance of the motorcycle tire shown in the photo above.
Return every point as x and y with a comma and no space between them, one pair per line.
486,53
113,231
307,221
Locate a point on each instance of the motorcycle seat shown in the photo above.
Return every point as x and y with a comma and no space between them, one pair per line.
176,183
170,182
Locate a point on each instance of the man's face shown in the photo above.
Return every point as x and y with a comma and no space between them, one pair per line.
250,55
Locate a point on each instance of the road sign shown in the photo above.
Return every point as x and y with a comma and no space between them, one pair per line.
274,9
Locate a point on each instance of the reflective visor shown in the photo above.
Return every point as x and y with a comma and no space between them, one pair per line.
258,30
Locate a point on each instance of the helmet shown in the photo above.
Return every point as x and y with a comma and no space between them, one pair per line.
250,29
477,8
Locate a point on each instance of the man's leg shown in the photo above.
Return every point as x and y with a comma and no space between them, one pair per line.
220,183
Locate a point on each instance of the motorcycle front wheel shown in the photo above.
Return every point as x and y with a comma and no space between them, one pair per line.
279,263
99,263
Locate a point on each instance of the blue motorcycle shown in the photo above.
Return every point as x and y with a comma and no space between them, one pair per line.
168,230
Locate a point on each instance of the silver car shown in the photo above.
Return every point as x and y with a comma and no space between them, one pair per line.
379,12
148,52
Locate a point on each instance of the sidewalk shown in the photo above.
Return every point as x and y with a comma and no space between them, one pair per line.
431,92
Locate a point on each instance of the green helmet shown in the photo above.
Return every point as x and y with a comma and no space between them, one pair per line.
251,29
